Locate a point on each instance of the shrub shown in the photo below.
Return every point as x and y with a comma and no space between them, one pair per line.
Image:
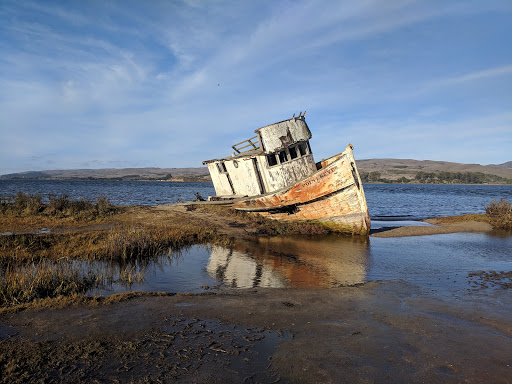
23,203
500,213
103,206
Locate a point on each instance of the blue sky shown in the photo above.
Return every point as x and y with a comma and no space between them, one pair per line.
111,84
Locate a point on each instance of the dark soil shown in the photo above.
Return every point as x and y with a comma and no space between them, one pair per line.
378,332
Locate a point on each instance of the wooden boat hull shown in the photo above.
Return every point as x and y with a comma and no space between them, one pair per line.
333,196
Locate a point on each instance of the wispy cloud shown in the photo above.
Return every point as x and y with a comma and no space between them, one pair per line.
473,76
173,83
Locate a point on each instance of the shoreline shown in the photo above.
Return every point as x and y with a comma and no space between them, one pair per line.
377,331
193,180
471,223
232,225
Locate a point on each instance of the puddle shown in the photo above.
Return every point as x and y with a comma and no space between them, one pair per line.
380,224
7,332
269,262
245,350
41,231
441,263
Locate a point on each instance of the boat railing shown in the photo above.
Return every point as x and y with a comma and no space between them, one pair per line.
252,143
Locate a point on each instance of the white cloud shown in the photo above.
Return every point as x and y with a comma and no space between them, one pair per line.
181,80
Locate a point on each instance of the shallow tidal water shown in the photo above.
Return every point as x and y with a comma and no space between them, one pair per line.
443,264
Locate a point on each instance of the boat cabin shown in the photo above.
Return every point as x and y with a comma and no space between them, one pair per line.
277,157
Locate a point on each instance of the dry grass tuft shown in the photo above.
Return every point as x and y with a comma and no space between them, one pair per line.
25,284
23,204
500,213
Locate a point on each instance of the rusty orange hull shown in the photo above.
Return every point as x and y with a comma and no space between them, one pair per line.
333,196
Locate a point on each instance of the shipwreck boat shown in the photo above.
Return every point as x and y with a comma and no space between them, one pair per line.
274,174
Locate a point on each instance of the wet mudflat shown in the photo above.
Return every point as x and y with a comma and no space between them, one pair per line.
330,309
388,331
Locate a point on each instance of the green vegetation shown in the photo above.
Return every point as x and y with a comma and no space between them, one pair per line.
422,177
35,265
458,178
375,177
500,213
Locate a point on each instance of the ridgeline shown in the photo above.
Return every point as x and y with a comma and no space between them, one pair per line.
371,171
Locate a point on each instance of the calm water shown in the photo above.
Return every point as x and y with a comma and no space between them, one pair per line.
385,201
440,263
118,192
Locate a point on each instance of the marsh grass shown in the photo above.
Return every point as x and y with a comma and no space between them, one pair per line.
62,206
22,284
121,243
130,275
34,266
500,213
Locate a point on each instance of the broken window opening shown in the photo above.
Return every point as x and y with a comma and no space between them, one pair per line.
293,152
309,147
302,149
282,157
222,167
271,160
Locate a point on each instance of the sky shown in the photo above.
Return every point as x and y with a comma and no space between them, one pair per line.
116,84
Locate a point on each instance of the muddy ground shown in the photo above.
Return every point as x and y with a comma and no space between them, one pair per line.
383,331
378,332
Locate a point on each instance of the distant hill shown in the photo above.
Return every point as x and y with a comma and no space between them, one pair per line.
394,169
508,164
387,169
178,174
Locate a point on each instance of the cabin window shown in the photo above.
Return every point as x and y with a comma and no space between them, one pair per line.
302,149
271,160
293,152
282,157
221,167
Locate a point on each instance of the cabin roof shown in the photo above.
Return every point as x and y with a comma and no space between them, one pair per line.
255,151
301,117
252,152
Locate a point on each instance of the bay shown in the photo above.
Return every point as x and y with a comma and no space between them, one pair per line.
442,263
385,201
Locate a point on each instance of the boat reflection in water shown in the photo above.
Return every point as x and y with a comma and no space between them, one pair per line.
290,262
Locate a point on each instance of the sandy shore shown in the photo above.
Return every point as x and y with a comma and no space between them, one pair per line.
452,224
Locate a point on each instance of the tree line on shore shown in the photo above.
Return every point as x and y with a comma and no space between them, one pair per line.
442,177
